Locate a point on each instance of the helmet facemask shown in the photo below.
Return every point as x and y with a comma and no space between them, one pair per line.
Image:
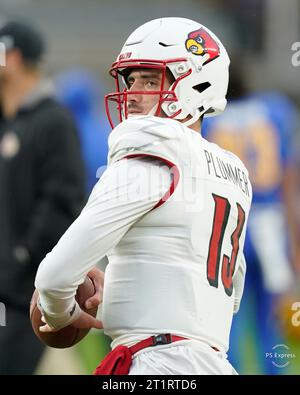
166,98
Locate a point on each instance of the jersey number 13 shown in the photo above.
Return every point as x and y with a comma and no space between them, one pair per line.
221,215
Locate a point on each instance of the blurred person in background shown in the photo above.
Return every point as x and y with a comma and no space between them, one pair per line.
259,128
41,185
82,92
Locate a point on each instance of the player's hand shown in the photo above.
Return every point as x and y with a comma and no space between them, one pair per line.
86,321
98,279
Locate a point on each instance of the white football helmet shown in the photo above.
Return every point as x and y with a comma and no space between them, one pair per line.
194,55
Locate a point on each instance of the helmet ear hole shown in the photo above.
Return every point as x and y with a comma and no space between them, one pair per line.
209,111
202,87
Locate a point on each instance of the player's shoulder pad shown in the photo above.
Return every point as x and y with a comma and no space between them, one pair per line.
240,164
145,135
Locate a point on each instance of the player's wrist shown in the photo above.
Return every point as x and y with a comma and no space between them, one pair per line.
63,319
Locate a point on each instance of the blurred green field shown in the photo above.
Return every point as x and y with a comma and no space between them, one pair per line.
92,349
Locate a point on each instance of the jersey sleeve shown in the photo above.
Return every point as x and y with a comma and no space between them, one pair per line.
127,190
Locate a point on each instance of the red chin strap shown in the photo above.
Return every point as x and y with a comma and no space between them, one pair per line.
121,98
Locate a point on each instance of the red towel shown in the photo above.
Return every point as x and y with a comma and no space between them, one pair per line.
118,361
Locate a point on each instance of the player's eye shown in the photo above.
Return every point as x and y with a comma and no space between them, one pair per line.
151,84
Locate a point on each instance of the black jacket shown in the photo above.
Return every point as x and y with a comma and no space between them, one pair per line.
41,190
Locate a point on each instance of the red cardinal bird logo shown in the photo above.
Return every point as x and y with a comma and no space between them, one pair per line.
201,43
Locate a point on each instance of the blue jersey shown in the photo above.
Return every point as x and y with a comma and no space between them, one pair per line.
259,129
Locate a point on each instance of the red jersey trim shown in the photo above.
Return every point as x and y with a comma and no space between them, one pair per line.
174,171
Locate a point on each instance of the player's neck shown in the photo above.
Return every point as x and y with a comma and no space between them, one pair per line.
196,126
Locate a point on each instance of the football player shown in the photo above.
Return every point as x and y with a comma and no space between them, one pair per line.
170,212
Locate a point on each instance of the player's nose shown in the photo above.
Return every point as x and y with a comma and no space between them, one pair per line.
133,96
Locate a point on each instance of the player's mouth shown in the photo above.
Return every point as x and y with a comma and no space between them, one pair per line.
133,111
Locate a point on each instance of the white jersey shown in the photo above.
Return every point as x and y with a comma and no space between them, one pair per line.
172,271
172,222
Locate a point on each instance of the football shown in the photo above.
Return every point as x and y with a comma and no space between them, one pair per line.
68,336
